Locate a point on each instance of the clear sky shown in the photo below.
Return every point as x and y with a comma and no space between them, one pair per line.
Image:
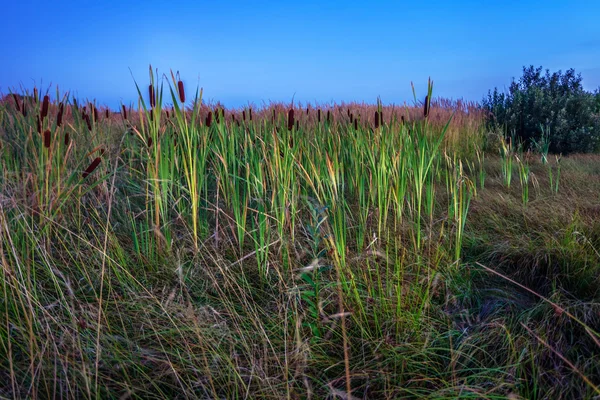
316,51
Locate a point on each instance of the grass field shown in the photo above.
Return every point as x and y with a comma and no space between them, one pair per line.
338,251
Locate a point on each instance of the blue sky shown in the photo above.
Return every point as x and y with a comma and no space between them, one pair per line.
242,52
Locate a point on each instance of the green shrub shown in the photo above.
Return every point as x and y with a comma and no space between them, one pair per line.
553,104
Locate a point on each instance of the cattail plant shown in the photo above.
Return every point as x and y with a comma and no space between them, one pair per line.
208,121
124,111
426,107
376,119
328,115
107,113
217,120
152,96
17,104
356,124
67,139
290,119
95,113
59,117
250,113
35,94
244,115
44,110
39,125
91,167
181,90
47,138
86,117
319,115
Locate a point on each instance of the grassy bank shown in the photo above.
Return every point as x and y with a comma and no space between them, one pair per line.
290,252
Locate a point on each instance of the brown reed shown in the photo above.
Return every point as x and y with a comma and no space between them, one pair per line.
356,124
107,113
376,119
59,117
17,104
290,119
87,121
319,115
91,167
244,115
67,139
181,91
124,111
208,120
44,110
151,96
426,107
47,137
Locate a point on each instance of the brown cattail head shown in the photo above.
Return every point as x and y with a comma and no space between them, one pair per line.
181,91
107,113
376,119
44,110
426,107
87,121
244,115
47,136
59,117
67,138
356,124
297,125
124,111
95,114
402,120
151,96
291,119
348,111
152,114
209,118
319,115
167,114
17,104
149,141
91,167
39,125
306,110
328,115
351,117
250,113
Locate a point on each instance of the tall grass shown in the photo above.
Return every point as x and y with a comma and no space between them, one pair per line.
184,250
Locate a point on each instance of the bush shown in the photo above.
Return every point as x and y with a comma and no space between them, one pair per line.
554,104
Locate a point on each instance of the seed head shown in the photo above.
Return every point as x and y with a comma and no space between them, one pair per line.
91,167
59,117
426,107
244,115
291,119
44,110
47,137
124,113
17,104
181,91
356,124
209,118
376,119
107,113
319,115
67,138
95,114
151,96
35,94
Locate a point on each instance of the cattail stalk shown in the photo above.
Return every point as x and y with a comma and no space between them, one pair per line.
376,119
426,107
124,113
209,118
